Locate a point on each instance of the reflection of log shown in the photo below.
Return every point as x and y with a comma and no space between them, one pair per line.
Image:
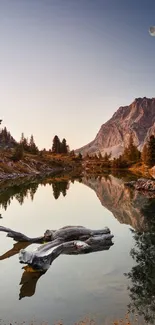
14,250
28,283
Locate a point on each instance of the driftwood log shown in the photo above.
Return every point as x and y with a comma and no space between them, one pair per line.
66,240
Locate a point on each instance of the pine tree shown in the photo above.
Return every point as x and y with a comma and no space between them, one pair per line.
72,153
18,153
131,153
106,159
56,148
144,153
24,142
32,146
100,155
150,158
87,156
80,156
64,146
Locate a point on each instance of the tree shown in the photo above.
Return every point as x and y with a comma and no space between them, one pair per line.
142,274
80,156
131,153
63,147
56,148
24,142
144,154
150,157
72,153
18,153
32,146
100,155
119,162
87,156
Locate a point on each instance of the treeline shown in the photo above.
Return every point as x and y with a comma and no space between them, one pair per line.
6,139
59,146
29,146
130,156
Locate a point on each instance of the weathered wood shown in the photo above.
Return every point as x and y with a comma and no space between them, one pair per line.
19,237
67,240
67,233
43,257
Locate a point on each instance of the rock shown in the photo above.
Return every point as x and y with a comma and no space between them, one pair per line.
137,119
143,184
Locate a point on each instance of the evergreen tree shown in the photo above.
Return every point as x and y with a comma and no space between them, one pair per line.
100,155
144,154
106,159
150,158
131,153
32,146
56,148
64,146
80,156
87,156
18,153
72,153
24,142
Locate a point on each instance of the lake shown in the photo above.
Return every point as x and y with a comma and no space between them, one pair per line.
94,285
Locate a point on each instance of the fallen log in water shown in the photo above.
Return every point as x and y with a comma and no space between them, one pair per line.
67,240
66,233
43,257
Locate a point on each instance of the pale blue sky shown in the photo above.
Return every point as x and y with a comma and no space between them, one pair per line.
67,65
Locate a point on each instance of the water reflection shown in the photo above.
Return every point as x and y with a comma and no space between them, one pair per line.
142,275
28,282
130,207
138,210
20,190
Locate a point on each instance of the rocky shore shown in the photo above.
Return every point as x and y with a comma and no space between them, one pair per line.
31,166
143,184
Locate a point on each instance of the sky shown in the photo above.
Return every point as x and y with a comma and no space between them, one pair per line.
67,65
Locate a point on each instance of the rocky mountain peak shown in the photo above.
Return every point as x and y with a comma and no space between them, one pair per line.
136,119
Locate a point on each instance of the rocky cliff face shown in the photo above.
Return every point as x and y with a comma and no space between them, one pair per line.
128,206
137,119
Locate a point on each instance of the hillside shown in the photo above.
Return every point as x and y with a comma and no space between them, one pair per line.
137,119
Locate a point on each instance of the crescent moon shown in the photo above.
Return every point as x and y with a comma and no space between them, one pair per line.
152,30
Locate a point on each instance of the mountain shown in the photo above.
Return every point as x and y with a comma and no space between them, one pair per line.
137,119
128,206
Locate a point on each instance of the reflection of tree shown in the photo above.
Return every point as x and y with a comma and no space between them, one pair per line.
19,192
60,187
29,188
142,275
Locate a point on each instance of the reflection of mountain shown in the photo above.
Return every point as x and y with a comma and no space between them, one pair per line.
126,205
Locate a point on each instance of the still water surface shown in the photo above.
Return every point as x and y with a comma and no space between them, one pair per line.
75,286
